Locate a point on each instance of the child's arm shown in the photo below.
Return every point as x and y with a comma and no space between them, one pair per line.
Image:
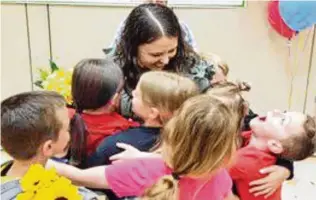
92,177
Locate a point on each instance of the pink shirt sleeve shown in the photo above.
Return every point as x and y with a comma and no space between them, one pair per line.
227,183
132,177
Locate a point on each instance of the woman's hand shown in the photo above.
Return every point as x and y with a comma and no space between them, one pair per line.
266,186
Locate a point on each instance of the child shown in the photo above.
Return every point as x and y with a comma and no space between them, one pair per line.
196,143
34,127
251,159
227,92
156,97
96,87
289,135
220,67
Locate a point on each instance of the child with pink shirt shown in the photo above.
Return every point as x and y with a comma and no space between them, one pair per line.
197,142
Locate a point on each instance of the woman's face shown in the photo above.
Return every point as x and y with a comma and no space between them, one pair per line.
157,54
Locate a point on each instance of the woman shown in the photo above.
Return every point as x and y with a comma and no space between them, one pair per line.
152,39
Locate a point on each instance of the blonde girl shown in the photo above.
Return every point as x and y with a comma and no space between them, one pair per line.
197,142
157,95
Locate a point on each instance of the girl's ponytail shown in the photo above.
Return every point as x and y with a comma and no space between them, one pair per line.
78,139
243,86
166,188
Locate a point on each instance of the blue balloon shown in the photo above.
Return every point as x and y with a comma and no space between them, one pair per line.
298,15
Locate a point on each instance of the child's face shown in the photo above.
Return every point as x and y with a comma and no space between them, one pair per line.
59,148
219,76
115,101
139,107
278,125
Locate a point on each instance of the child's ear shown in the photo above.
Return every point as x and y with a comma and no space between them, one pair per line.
154,113
275,146
47,149
116,100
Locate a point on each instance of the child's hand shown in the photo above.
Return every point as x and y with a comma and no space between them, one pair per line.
129,152
276,175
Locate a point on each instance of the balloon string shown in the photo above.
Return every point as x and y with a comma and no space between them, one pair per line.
289,45
297,62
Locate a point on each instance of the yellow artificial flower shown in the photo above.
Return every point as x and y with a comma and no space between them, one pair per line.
49,177
44,193
25,196
64,189
41,184
60,82
32,179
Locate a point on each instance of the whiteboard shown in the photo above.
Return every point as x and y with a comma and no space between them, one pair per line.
128,3
206,3
79,2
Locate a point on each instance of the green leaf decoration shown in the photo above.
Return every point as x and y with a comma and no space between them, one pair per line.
43,74
53,66
39,84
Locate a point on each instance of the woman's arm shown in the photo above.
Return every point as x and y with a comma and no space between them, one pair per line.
189,37
92,177
287,165
118,34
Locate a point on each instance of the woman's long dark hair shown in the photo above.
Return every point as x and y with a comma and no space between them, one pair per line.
140,29
94,83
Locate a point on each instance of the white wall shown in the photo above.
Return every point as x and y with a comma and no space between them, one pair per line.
242,36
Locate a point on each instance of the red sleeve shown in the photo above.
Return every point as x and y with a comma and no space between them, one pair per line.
132,177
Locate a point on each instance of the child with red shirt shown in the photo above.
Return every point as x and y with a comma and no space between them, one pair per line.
289,135
277,171
96,86
197,142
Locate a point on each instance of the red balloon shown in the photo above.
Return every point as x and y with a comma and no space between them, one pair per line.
277,22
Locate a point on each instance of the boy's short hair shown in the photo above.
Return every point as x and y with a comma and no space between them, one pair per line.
27,120
301,146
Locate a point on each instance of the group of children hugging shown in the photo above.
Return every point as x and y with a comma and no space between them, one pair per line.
182,143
